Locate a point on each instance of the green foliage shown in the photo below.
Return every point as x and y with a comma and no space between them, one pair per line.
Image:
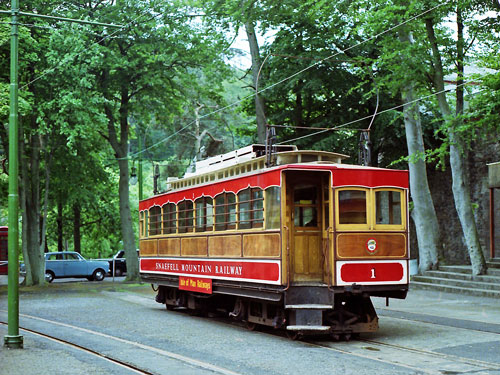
325,69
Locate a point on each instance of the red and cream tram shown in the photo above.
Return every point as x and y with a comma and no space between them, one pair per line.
301,245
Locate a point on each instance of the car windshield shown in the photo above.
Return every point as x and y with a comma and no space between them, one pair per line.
74,256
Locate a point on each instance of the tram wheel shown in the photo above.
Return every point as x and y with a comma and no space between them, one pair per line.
335,337
251,326
293,335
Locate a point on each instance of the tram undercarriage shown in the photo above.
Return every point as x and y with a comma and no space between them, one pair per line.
301,311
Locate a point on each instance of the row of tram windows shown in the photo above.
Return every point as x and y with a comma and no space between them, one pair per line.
371,208
251,208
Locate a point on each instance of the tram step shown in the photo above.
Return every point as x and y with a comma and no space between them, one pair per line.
493,263
309,306
308,328
455,289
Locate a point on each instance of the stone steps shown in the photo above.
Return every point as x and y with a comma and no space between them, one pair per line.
494,263
459,279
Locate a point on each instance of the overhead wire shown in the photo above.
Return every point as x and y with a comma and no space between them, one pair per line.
49,70
324,130
297,73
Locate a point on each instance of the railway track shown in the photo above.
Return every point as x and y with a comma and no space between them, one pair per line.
413,358
192,362
86,350
417,359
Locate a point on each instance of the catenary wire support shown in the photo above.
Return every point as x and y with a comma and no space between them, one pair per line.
365,148
270,146
156,176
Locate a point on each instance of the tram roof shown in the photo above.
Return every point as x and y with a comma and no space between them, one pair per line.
251,172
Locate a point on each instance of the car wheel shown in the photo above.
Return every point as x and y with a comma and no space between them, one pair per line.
49,276
98,275
118,272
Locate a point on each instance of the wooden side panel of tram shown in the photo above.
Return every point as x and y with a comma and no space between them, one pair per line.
389,245
169,246
194,246
265,245
224,246
148,247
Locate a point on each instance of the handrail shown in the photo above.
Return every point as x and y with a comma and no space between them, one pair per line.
287,257
326,250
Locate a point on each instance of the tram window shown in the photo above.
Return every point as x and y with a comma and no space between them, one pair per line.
169,218
388,207
244,209
251,208
306,216
308,158
352,207
185,216
204,214
305,195
306,212
273,204
225,211
146,223
154,220
141,224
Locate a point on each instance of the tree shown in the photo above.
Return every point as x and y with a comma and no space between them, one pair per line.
461,190
140,74
246,13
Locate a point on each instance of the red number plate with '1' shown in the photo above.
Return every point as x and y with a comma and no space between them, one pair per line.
371,272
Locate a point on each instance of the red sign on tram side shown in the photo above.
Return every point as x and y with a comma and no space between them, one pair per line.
195,284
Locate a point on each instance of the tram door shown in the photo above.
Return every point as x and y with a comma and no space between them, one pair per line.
306,209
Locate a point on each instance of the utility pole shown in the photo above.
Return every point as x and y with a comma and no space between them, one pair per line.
13,340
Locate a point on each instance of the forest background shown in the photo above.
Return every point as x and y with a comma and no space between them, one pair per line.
422,76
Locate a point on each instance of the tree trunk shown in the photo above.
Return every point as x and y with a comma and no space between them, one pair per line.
126,222
256,64
30,182
60,220
28,280
424,213
43,229
460,184
76,228
121,151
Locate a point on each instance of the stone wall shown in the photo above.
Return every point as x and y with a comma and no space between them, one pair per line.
455,251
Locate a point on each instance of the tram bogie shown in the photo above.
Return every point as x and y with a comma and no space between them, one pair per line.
302,245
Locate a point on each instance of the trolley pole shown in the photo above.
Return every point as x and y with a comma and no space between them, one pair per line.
13,339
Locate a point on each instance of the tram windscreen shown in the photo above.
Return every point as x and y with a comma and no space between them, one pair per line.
352,207
388,206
